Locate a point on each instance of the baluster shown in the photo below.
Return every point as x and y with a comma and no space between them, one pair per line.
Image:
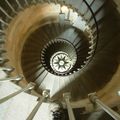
67,97
45,95
2,31
30,86
3,60
95,100
6,14
26,2
17,78
11,7
3,22
2,41
7,69
2,51
19,5
34,1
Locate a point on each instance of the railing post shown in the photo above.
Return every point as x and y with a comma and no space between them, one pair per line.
94,99
45,95
17,78
3,60
19,5
7,15
28,87
11,7
6,69
3,22
26,2
67,97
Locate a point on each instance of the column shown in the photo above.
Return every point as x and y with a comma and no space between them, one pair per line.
45,95
67,97
28,87
94,99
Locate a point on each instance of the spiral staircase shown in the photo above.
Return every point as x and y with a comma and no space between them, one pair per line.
54,49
